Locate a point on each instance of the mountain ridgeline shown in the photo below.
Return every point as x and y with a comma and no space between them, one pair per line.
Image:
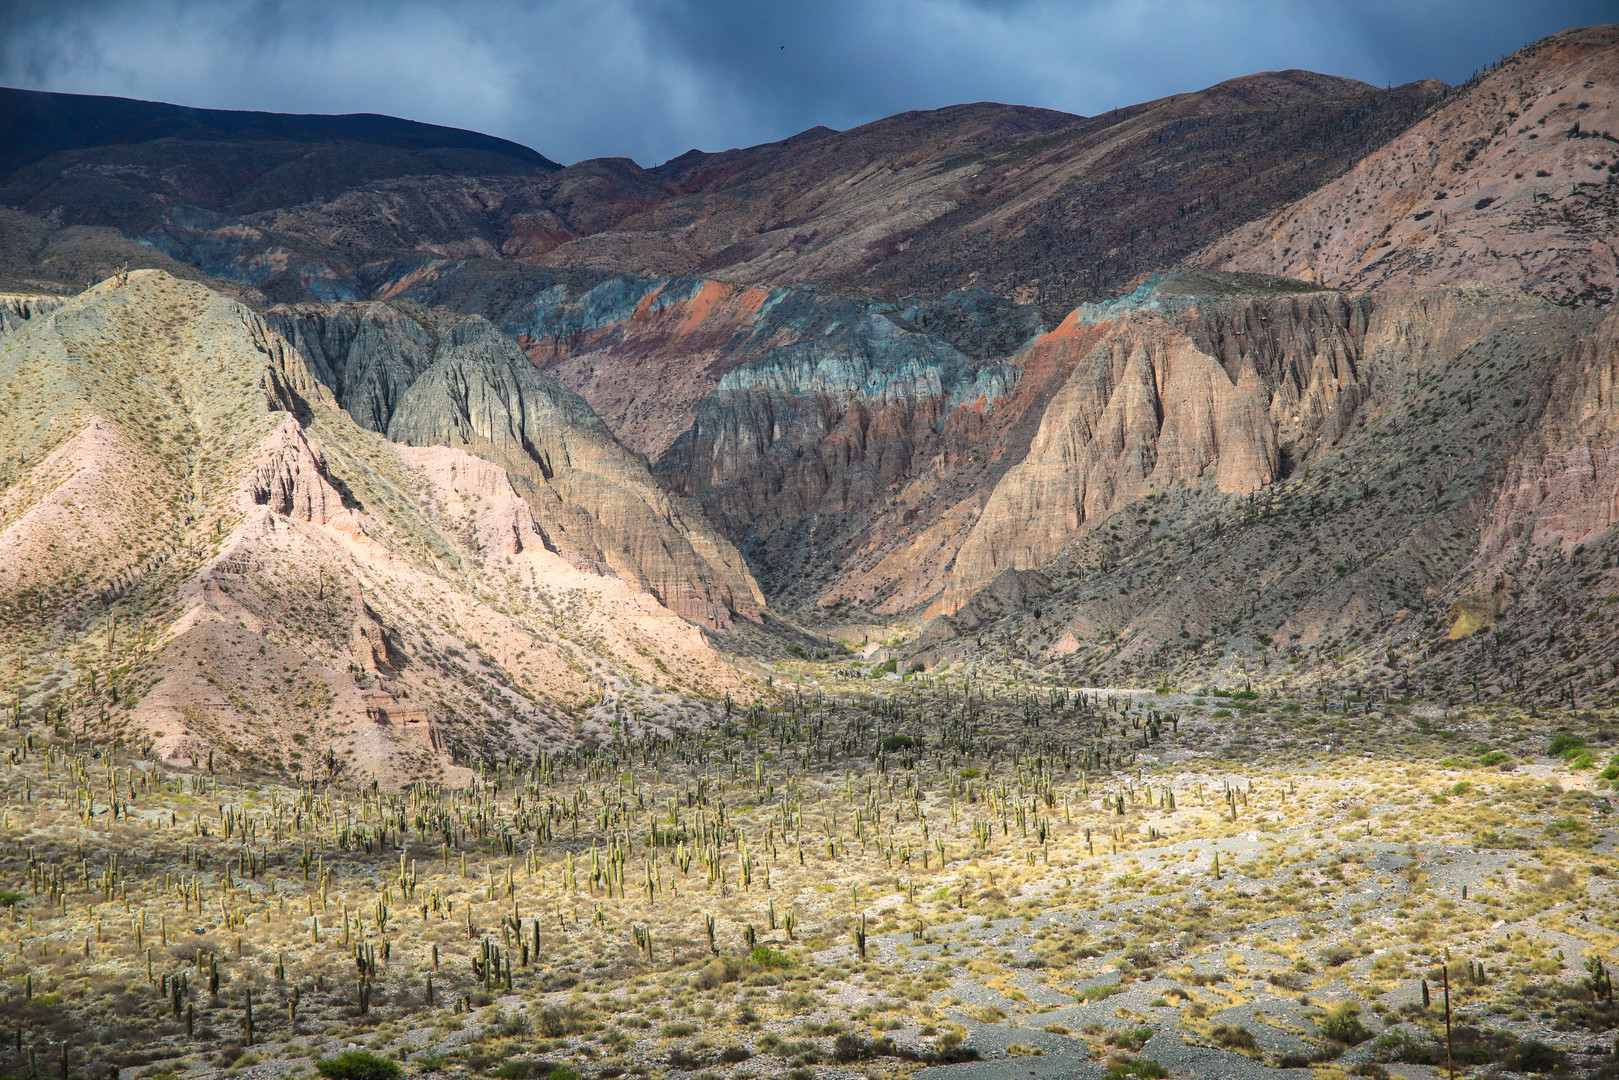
1292,379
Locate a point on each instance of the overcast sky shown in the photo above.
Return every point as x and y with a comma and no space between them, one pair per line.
650,79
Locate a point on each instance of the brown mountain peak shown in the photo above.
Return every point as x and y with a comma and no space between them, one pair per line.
1512,179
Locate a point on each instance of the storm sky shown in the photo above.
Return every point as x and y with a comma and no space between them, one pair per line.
650,79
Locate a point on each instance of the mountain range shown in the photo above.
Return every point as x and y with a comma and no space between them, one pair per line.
397,444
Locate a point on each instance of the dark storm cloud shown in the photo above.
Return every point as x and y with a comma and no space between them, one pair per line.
649,79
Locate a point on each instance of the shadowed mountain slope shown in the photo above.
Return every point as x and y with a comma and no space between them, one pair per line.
1027,203
109,160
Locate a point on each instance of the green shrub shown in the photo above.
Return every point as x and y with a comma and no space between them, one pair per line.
509,1025
1482,1046
898,742
1534,1056
1565,744
527,1069
766,957
358,1065
849,1048
556,1021
1337,955
686,1060
1342,1024
1139,1069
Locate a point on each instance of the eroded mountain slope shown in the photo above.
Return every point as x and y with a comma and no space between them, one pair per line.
1513,181
204,552
433,378
1336,488
795,416
878,461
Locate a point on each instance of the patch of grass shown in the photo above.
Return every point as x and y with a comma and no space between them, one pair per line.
1233,1037
1131,1039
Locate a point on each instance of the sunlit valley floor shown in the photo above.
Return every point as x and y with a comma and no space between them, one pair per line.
871,879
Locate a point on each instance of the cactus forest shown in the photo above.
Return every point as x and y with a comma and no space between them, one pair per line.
842,883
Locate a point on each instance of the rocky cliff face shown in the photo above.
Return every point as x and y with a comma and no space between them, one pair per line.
367,354
1514,181
443,380
200,549
1204,397
589,495
19,308
1335,487
796,416
1038,488
1557,499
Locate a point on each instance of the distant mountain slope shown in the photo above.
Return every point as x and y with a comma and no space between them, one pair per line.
1041,205
1514,181
35,124
113,161
1022,202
